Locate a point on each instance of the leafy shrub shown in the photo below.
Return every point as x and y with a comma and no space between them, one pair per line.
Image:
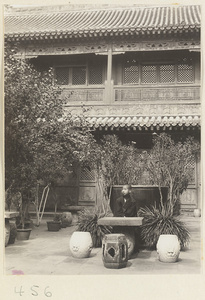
88,221
157,222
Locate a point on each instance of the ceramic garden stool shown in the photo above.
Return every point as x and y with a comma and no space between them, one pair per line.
168,248
114,251
81,244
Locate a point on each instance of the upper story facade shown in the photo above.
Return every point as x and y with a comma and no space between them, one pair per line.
128,65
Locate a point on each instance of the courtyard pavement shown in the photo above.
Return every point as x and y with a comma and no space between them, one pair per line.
47,253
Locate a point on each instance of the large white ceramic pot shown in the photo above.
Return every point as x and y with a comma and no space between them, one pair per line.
168,248
197,212
81,244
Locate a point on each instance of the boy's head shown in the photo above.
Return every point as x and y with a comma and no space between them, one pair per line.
126,189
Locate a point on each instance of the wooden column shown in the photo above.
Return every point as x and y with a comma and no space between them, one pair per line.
109,83
198,183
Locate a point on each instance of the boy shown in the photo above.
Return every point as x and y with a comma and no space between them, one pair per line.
125,206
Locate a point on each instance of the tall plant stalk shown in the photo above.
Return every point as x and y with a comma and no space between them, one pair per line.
169,167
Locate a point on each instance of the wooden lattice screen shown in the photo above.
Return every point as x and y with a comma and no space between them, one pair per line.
87,175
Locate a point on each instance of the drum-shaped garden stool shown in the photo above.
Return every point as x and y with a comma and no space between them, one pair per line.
114,251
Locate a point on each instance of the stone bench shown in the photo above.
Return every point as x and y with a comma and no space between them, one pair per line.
125,225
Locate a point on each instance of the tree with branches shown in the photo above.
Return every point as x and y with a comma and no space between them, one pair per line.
42,140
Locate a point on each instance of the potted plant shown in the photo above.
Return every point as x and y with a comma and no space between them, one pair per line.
159,221
168,164
110,172
55,224
23,222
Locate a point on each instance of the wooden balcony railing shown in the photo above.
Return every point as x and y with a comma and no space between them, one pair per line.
132,93
157,94
83,94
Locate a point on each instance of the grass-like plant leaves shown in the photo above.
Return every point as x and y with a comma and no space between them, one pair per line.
88,221
157,222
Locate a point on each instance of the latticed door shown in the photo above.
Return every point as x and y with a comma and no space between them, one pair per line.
189,197
87,187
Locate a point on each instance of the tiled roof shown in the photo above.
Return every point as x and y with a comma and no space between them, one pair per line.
142,121
100,22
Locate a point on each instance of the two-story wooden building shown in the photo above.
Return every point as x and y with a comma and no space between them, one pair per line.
137,69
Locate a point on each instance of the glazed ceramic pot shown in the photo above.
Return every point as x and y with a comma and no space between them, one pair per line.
53,225
197,212
81,244
23,234
66,219
168,248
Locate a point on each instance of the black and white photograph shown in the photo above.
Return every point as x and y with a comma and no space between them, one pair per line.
102,139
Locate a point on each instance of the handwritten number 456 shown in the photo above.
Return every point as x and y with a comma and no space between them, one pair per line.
34,291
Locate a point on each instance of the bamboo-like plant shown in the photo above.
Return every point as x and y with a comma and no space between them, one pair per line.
168,164
114,163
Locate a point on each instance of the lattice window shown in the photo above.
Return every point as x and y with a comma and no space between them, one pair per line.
131,73
149,74
185,73
87,175
62,75
192,171
166,73
78,75
95,74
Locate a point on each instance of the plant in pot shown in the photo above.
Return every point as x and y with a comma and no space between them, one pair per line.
159,222
11,205
23,222
55,224
168,165
88,219
106,161
110,171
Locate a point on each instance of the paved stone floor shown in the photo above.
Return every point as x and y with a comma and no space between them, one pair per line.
47,253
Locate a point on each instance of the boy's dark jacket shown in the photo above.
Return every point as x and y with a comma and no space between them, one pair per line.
125,209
